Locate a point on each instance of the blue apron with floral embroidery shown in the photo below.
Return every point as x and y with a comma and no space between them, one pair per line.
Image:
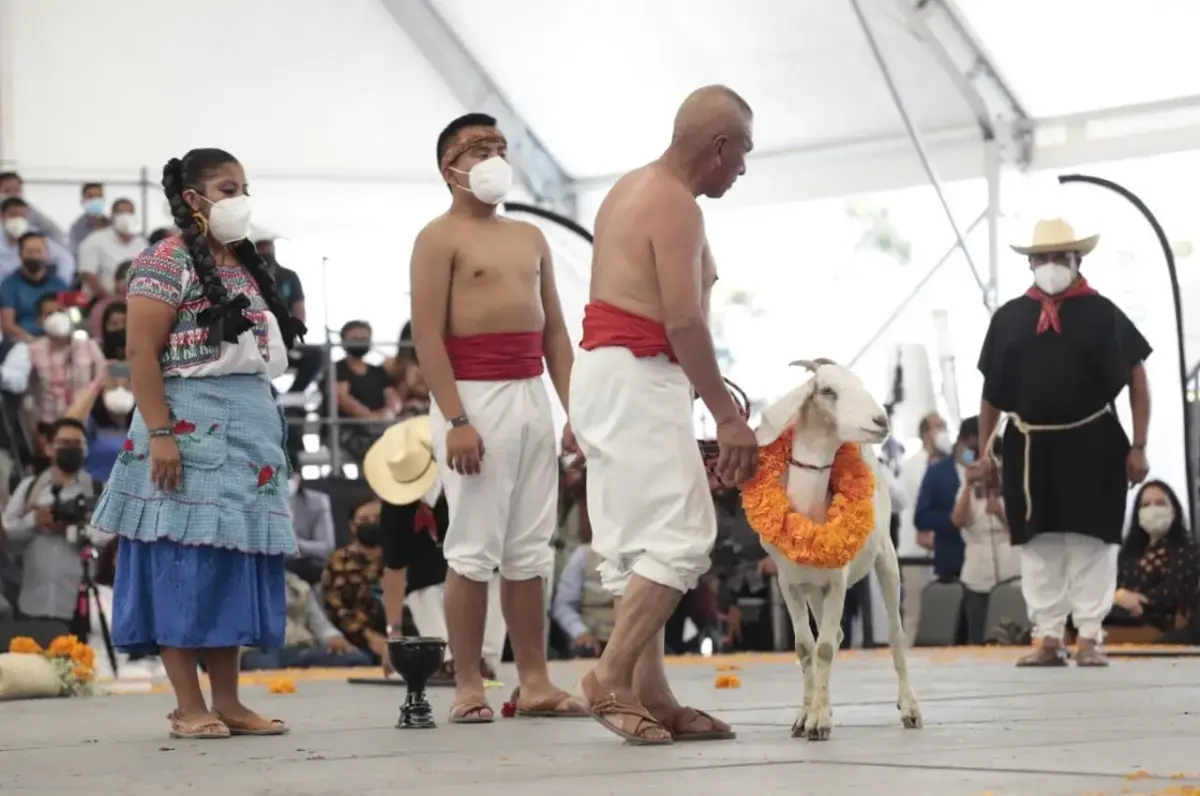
234,494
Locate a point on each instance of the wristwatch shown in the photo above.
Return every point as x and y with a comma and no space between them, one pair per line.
459,422
160,432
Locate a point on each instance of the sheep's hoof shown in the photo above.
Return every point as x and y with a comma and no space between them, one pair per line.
910,713
798,725
819,726
819,733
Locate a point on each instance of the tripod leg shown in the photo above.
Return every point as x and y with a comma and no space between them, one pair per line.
108,645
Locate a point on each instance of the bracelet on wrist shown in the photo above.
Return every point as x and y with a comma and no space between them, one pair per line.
165,431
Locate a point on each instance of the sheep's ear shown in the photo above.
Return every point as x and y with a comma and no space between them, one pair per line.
823,361
805,363
777,417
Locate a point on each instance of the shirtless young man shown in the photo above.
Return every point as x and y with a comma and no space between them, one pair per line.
646,344
485,313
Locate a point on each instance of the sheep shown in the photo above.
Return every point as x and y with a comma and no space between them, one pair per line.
831,408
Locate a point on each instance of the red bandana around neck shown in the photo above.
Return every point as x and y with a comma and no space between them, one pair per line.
1049,318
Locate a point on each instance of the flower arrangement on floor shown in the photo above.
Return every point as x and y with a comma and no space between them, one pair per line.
850,519
72,660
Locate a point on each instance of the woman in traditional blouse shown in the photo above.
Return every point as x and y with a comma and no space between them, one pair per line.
1158,569
199,494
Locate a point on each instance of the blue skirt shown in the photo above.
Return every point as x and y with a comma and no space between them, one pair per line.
171,595
203,566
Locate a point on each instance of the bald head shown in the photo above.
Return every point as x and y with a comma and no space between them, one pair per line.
708,111
713,134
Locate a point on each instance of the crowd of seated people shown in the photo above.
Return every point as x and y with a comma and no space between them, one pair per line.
958,515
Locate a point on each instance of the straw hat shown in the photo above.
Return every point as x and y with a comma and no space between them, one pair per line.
1056,235
400,467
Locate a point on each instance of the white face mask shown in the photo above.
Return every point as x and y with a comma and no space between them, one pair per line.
1156,520
125,223
58,325
229,219
942,442
1053,278
16,226
118,401
490,180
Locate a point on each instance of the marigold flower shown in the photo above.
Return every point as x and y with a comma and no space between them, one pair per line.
83,655
24,645
62,647
728,681
849,521
282,685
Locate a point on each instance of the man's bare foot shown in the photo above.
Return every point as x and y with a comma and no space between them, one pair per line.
690,724
1049,653
471,706
241,720
545,701
1088,654
620,712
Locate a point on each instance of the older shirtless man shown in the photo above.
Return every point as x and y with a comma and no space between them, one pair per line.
485,313
646,344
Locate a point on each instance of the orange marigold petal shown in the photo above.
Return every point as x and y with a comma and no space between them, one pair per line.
850,519
24,645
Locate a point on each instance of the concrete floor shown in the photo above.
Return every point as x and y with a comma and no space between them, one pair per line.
989,729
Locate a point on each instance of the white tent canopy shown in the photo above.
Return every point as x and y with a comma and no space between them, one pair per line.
334,109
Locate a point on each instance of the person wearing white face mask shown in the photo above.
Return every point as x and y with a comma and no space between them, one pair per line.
103,251
1054,360
92,218
105,409
198,497
1158,580
16,220
62,365
492,422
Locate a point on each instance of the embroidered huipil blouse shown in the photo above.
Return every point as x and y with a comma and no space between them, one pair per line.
165,273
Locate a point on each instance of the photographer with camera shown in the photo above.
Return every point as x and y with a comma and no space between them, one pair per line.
47,519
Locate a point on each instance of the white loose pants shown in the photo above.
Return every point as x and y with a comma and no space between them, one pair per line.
502,518
648,498
1068,574
428,609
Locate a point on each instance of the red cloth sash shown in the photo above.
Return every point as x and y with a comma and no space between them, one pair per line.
1049,318
498,356
606,326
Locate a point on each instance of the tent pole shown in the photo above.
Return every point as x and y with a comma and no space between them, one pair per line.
993,172
902,305
918,144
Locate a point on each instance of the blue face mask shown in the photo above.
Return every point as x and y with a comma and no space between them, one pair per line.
94,206
968,456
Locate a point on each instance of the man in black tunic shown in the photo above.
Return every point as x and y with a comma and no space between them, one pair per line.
1054,360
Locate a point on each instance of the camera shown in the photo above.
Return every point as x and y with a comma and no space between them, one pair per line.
72,511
